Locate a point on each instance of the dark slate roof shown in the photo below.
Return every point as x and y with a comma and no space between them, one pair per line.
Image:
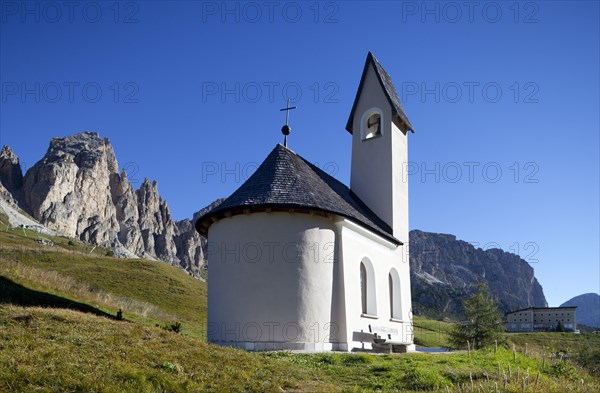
287,181
388,87
534,309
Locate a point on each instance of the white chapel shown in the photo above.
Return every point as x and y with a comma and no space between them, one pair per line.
299,261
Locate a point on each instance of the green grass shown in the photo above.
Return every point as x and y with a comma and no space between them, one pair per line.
51,350
554,341
74,342
3,221
430,333
437,372
48,350
71,270
584,349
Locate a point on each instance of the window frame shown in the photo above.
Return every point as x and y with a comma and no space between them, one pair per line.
368,289
363,124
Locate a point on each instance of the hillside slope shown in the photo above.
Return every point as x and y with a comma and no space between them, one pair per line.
88,278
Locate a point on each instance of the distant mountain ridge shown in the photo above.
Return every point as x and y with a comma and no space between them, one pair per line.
444,269
77,191
588,309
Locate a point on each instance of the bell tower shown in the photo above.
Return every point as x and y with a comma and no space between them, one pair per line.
379,129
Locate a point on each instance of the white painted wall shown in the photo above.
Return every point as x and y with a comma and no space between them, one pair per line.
280,281
271,281
358,243
371,175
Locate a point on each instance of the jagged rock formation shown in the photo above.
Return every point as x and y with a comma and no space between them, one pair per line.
443,271
11,175
126,204
157,226
7,197
588,309
190,243
69,189
77,191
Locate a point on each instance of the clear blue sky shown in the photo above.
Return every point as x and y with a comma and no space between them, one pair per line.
189,95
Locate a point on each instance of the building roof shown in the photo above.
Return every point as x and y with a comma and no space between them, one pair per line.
388,87
542,309
286,181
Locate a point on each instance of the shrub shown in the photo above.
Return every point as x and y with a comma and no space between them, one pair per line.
563,369
173,327
589,358
172,367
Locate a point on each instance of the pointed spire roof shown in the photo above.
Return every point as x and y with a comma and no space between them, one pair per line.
388,88
286,181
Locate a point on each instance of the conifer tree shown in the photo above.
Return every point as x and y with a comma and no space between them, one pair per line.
484,324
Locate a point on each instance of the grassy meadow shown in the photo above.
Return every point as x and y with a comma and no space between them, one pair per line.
59,333
148,292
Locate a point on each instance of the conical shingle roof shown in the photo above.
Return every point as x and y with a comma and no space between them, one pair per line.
287,181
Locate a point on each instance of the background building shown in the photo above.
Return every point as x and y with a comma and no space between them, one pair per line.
541,319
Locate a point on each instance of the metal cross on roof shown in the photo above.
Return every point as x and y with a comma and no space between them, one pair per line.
286,129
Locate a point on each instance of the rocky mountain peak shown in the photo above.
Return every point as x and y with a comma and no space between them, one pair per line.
7,154
85,149
76,190
149,187
69,189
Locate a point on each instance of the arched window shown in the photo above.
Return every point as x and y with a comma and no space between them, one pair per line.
391,285
363,287
371,123
395,295
367,288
